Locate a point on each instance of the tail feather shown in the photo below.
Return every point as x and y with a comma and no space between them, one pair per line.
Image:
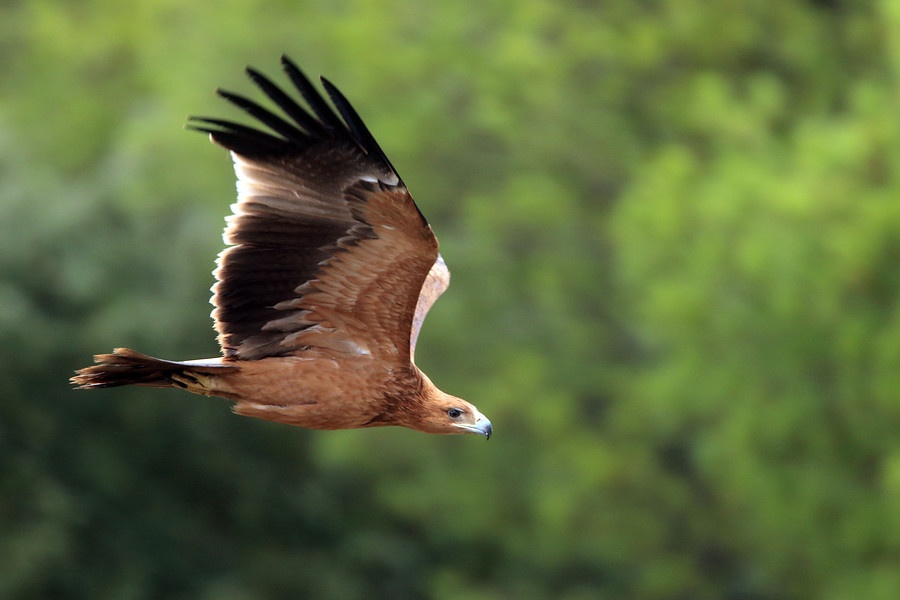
127,367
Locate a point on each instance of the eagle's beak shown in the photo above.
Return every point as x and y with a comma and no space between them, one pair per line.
481,426
487,429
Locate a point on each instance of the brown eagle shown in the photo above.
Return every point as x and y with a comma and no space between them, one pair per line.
329,271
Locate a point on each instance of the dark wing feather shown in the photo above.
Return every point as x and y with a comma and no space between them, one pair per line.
318,105
273,121
287,104
357,127
323,226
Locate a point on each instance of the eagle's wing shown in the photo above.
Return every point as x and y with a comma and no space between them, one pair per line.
436,283
328,249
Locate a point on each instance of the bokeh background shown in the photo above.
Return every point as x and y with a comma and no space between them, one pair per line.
674,229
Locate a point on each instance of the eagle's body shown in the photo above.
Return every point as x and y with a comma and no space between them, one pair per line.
320,295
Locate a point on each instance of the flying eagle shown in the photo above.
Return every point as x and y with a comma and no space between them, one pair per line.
329,271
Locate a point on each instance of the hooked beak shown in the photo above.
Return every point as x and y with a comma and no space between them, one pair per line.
481,426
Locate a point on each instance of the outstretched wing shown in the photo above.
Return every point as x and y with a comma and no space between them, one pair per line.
436,283
328,249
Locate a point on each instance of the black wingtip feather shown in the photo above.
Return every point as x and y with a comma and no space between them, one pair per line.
302,127
239,138
357,127
318,105
270,119
286,103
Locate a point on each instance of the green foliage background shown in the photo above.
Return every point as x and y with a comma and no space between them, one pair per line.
674,228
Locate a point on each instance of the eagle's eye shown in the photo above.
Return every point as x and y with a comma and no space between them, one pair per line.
454,413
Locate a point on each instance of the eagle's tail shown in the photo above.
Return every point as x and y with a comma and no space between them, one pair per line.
127,367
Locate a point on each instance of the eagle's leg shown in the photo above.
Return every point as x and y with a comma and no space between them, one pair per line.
198,383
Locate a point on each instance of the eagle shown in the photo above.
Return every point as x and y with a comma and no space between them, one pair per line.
328,272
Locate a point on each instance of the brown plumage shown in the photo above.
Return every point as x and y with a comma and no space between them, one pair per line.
321,293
